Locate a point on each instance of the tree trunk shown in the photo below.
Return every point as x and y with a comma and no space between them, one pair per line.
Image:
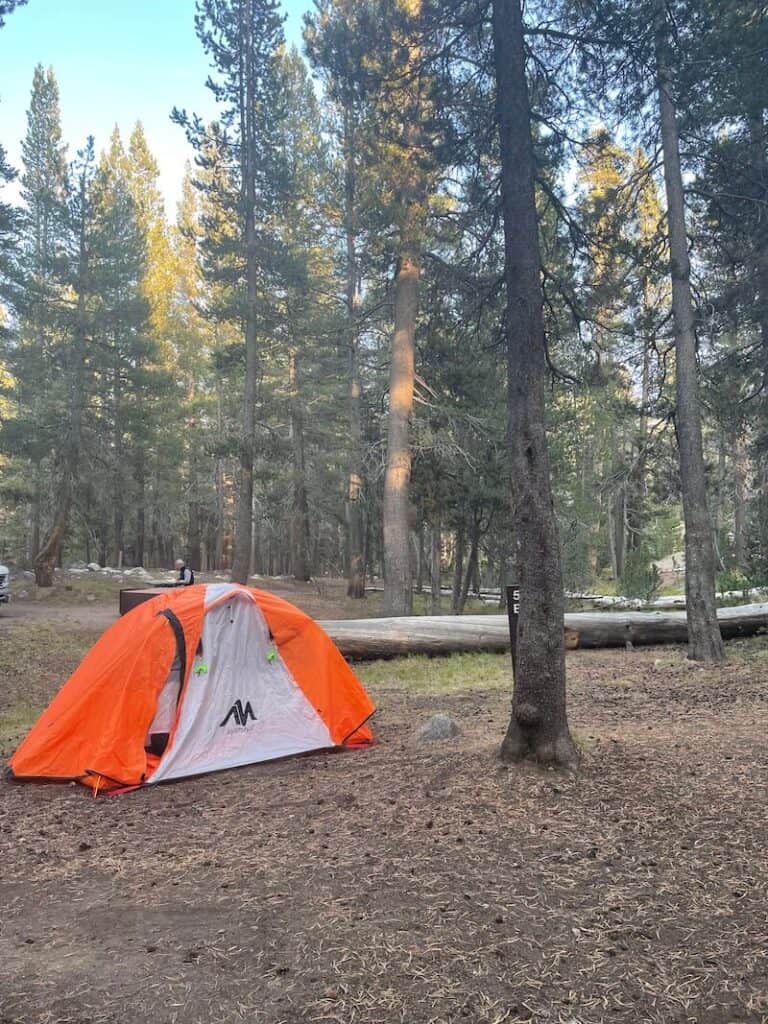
37,504
445,634
758,143
194,535
141,501
503,576
538,726
241,563
354,504
740,473
118,486
704,640
435,566
300,511
458,569
219,546
420,559
472,563
617,521
398,583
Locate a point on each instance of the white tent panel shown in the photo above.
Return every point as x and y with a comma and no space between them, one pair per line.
241,703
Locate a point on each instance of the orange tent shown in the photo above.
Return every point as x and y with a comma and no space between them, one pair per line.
197,679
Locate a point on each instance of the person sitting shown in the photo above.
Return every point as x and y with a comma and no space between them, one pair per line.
186,576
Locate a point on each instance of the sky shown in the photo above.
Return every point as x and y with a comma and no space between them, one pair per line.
116,62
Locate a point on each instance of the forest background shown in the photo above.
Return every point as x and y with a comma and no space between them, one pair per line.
217,381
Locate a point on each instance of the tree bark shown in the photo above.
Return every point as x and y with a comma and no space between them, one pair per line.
758,144
420,559
141,500
37,505
398,582
435,566
538,726
740,474
444,634
118,487
458,568
472,565
194,536
241,562
704,640
300,511
354,504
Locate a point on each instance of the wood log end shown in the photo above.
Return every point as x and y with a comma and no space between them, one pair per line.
572,639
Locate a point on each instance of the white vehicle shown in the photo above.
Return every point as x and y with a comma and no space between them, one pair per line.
5,584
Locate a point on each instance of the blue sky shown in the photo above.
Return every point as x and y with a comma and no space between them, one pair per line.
116,61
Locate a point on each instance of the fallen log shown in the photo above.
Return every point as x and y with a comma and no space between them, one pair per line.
366,639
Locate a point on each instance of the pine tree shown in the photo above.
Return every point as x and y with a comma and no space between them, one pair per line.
10,225
70,359
378,51
704,640
538,726
334,49
121,322
38,289
242,38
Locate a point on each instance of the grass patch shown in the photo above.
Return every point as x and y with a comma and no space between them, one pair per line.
72,589
450,674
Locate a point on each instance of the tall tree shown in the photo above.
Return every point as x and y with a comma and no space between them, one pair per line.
336,50
704,640
377,50
70,359
538,726
242,38
43,181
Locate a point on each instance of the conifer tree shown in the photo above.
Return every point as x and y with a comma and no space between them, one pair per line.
9,228
70,359
378,51
43,182
538,726
336,51
242,39
121,322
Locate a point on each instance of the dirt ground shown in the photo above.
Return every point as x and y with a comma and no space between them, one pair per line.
404,883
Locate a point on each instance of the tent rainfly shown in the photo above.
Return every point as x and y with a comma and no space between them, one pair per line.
198,679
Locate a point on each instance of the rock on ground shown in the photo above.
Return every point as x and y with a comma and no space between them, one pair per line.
438,727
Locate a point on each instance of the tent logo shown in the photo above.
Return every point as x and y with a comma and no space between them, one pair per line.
239,713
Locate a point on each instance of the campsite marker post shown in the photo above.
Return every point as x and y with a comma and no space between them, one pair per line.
513,614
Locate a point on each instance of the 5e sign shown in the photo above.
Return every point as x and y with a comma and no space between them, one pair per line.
513,613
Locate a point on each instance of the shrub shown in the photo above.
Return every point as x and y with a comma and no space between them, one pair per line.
640,579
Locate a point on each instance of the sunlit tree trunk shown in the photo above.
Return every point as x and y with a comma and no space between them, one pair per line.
398,583
458,568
